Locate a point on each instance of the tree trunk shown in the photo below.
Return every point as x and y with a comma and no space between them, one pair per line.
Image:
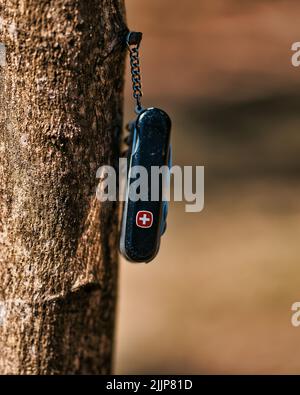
60,118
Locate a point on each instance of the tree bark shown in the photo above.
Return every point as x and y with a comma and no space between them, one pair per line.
60,118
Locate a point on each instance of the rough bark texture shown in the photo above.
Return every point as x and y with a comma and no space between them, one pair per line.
60,117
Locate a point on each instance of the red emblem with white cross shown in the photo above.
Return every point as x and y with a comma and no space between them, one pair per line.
144,219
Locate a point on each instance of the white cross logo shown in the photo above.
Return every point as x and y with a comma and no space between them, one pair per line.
144,219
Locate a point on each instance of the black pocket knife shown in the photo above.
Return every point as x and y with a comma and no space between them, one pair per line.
144,221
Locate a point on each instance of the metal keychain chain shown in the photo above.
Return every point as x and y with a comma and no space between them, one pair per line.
133,43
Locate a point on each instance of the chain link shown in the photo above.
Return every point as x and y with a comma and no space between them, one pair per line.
136,75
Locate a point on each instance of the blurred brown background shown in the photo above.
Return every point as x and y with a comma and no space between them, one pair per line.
218,297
